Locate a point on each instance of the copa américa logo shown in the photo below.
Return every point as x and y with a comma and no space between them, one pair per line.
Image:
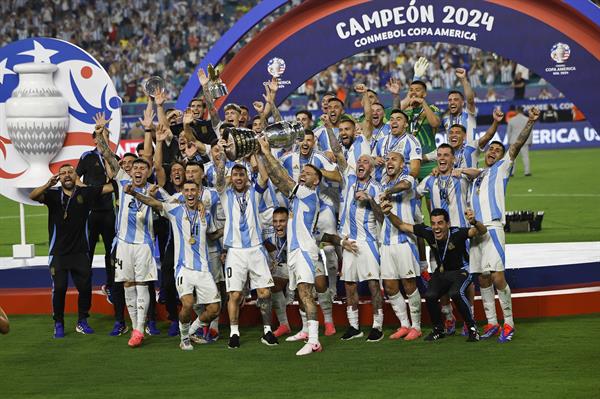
81,81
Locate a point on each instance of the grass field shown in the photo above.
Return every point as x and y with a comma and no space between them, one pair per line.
564,185
558,357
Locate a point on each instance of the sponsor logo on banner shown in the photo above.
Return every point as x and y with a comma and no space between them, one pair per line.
560,53
83,83
276,68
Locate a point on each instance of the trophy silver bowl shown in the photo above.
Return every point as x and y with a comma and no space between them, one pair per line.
153,85
216,89
243,142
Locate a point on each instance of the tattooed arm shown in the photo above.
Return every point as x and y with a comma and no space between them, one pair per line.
514,149
151,202
101,136
219,161
336,148
277,173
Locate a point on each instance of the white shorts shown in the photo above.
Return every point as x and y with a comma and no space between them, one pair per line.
400,261
135,262
301,266
216,267
242,264
190,281
487,251
362,266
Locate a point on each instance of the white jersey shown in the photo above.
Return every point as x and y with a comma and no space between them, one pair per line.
449,193
134,219
468,155
242,220
358,221
380,132
360,146
189,236
403,206
406,144
488,191
303,214
322,138
465,118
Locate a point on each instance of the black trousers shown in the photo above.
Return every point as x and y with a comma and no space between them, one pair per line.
78,265
102,223
455,284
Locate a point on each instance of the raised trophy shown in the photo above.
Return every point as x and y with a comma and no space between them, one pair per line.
153,85
215,87
243,142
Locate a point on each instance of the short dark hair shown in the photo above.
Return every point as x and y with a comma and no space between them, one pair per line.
281,209
196,99
380,104
420,83
65,165
305,112
372,91
440,212
140,147
446,145
141,160
244,107
194,163
239,166
129,154
317,171
336,99
255,118
191,182
329,93
176,162
458,125
500,144
309,132
347,118
399,111
456,92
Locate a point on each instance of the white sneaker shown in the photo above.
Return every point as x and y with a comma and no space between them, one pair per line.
300,336
186,345
309,348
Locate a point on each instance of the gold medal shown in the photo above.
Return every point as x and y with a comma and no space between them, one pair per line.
192,241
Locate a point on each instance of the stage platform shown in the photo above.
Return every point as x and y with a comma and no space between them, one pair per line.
546,280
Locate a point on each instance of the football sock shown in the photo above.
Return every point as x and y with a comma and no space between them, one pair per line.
143,300
184,330
234,330
279,304
326,305
352,317
489,304
399,306
378,319
414,304
304,321
313,331
131,301
506,305
447,311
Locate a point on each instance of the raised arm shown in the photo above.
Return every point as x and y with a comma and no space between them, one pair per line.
263,174
402,185
277,173
336,148
102,138
162,132
269,96
149,129
37,194
151,202
219,161
514,149
160,98
461,74
489,134
261,110
386,208
393,86
478,228
214,115
367,123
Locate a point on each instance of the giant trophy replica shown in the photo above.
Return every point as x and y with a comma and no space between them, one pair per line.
37,120
215,87
242,142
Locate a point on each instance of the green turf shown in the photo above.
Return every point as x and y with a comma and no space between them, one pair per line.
557,357
564,185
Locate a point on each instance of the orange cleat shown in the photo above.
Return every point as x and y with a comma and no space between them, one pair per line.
400,333
412,334
136,339
329,329
283,329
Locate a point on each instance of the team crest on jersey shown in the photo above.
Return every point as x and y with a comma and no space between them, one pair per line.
85,86
79,199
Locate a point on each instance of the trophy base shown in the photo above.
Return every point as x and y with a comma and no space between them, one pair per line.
36,175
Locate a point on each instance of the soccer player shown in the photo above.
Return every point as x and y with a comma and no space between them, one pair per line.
69,207
487,252
276,244
246,256
457,115
399,255
449,245
190,223
134,263
331,119
380,127
303,251
305,118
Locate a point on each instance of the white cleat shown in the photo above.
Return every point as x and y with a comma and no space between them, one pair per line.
300,336
186,345
309,348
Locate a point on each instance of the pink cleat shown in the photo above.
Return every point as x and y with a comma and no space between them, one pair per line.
299,336
309,348
283,329
136,339
400,333
412,334
329,329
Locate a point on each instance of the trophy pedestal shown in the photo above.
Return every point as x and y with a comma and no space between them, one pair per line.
23,251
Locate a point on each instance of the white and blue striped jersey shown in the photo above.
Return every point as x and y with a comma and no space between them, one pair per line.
304,212
449,193
406,144
280,244
487,197
187,224
242,217
322,138
134,219
465,118
210,171
380,132
359,147
468,155
358,221
403,206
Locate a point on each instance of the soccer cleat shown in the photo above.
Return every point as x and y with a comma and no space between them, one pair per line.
198,336
234,342
299,336
269,339
207,338
118,329
173,329
473,334
309,348
465,330
413,334
489,330
375,335
400,333
59,330
506,334
83,327
450,326
435,335
214,334
329,329
283,329
352,333
137,337
107,291
151,328
186,345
